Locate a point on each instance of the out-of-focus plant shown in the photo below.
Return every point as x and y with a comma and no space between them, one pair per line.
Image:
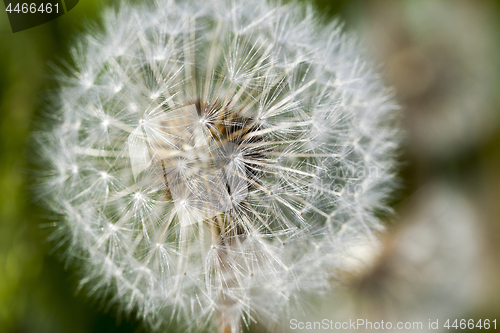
440,56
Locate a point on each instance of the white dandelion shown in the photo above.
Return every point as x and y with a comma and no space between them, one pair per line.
216,162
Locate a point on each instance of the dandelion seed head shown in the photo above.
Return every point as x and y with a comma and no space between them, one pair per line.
217,160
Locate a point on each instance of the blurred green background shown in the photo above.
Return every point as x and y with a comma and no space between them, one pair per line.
430,76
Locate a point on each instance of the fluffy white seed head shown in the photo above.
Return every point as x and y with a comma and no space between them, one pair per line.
216,161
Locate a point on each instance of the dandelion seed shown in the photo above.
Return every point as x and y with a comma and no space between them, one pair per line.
207,185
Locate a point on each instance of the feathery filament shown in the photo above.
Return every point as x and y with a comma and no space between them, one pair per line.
214,162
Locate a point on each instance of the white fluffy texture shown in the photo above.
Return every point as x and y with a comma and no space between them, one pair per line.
214,162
